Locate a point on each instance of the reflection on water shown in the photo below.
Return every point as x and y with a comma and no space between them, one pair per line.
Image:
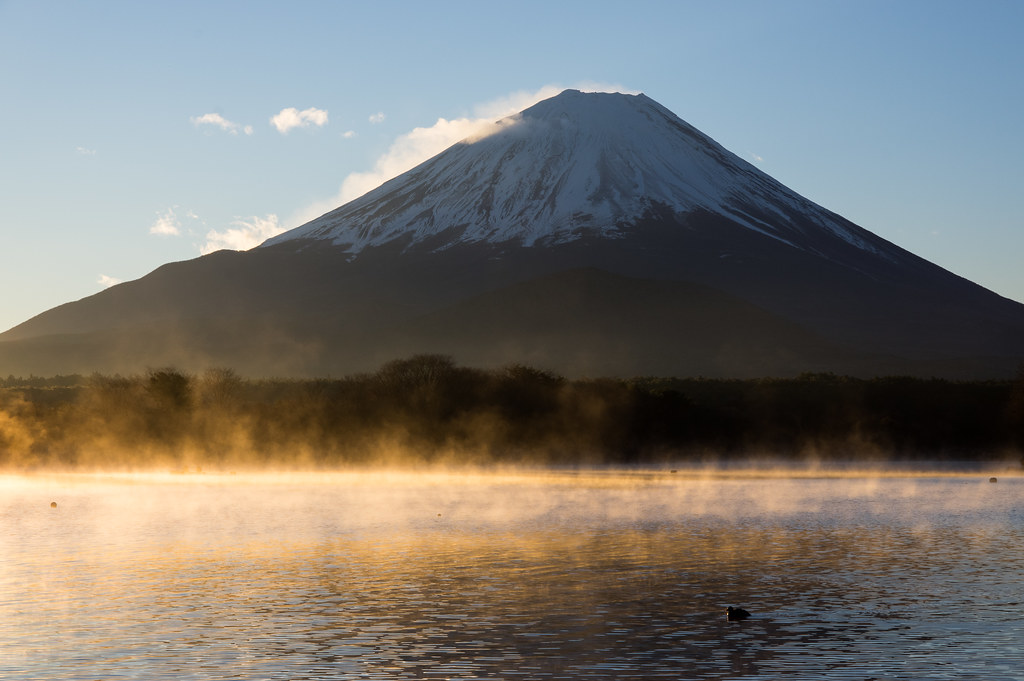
510,577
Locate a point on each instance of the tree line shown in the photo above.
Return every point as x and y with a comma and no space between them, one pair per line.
427,408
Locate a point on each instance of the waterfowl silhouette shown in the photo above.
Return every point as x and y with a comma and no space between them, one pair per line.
736,614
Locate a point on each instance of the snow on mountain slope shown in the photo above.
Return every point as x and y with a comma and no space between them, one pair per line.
577,163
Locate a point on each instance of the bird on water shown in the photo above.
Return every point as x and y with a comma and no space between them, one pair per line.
736,614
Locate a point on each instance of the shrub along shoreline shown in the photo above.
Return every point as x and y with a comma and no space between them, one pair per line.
428,409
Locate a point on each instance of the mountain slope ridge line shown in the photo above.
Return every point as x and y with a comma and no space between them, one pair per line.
590,234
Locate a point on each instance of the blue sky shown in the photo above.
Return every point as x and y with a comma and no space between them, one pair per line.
134,134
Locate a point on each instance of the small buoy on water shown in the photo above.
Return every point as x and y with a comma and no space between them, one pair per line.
993,479
53,504
736,614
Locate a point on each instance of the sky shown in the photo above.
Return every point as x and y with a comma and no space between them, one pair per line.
133,134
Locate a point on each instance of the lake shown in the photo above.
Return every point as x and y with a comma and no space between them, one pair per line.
513,575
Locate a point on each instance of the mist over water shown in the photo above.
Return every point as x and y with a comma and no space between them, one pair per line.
528,573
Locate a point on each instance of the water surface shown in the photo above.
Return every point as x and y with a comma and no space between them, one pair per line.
525,576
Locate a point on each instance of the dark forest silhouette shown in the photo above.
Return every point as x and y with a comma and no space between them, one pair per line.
427,408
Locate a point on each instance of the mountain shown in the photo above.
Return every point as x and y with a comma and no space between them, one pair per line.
593,233
572,165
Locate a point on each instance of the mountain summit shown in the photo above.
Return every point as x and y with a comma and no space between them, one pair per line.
574,165
592,233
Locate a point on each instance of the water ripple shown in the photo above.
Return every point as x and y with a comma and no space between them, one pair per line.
332,581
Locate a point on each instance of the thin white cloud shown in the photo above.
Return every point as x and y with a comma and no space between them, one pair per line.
290,118
170,222
348,134
218,121
167,224
514,102
107,282
85,151
377,117
412,148
408,151
244,233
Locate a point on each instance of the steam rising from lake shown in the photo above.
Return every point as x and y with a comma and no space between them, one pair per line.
299,506
586,574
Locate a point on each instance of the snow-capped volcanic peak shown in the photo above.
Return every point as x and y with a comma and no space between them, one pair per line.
577,163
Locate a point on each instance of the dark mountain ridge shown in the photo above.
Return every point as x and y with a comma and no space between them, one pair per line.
593,234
